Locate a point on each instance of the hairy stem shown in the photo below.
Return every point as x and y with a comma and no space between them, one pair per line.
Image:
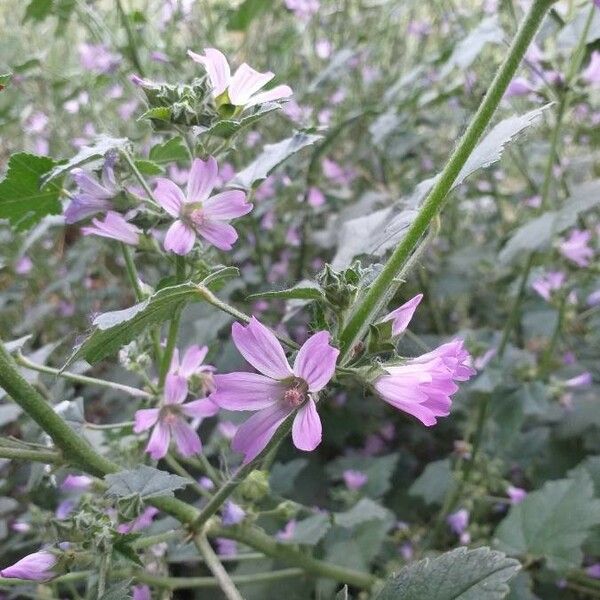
386,283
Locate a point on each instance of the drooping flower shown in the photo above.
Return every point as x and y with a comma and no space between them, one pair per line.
423,386
353,479
35,567
114,227
241,88
169,421
575,248
548,283
403,315
277,390
199,213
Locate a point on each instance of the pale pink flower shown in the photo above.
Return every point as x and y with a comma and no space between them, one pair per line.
98,58
114,227
278,390
191,365
242,87
141,592
23,265
93,195
170,420
582,380
353,479
458,521
519,86
315,197
516,494
35,567
592,71
403,315
548,283
140,522
575,248
199,213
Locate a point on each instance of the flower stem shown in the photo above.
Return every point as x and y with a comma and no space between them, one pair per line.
44,456
182,472
131,43
132,272
216,568
28,364
385,284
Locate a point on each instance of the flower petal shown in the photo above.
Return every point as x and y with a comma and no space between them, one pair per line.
245,82
246,391
216,66
315,361
180,238
192,359
158,444
202,179
145,418
201,408
307,430
169,196
276,93
187,440
402,316
252,437
219,234
227,205
259,346
176,389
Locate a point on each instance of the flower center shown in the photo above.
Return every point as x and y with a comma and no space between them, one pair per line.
170,414
296,394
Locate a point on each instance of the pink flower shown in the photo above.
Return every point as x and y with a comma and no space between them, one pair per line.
141,522
593,570
93,196
35,567
354,480
232,513
315,196
278,391
458,521
422,386
516,494
241,88
287,533
403,315
76,483
169,420
191,366
199,213
575,248
97,58
582,380
519,86
114,227
23,265
548,283
141,592
592,72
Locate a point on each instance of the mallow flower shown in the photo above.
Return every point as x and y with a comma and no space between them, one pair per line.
197,212
575,247
169,421
93,195
114,227
239,89
191,366
277,390
34,567
402,316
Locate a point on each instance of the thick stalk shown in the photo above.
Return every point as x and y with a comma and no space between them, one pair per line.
44,456
386,283
216,568
132,272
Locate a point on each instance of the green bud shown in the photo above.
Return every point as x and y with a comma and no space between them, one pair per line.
255,486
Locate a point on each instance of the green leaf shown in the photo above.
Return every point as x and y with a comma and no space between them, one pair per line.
147,167
283,476
118,591
38,10
144,481
591,466
363,511
160,113
115,329
538,233
552,523
271,157
22,200
434,483
246,13
310,531
101,146
378,469
172,150
5,79
226,128
305,290
461,574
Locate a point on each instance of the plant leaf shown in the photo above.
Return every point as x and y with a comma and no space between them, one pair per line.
144,481
462,574
172,150
310,531
23,201
305,290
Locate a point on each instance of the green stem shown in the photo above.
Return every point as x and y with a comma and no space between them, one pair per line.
44,456
181,471
132,275
142,181
131,43
385,283
216,568
546,362
28,364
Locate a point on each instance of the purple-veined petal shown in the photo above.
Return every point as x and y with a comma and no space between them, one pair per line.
307,430
145,418
186,439
315,361
192,359
219,234
227,205
158,444
201,408
246,391
276,93
252,436
180,238
259,346
202,179
169,196
176,389
245,82
216,66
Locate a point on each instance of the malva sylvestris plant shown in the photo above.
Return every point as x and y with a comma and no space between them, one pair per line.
181,226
